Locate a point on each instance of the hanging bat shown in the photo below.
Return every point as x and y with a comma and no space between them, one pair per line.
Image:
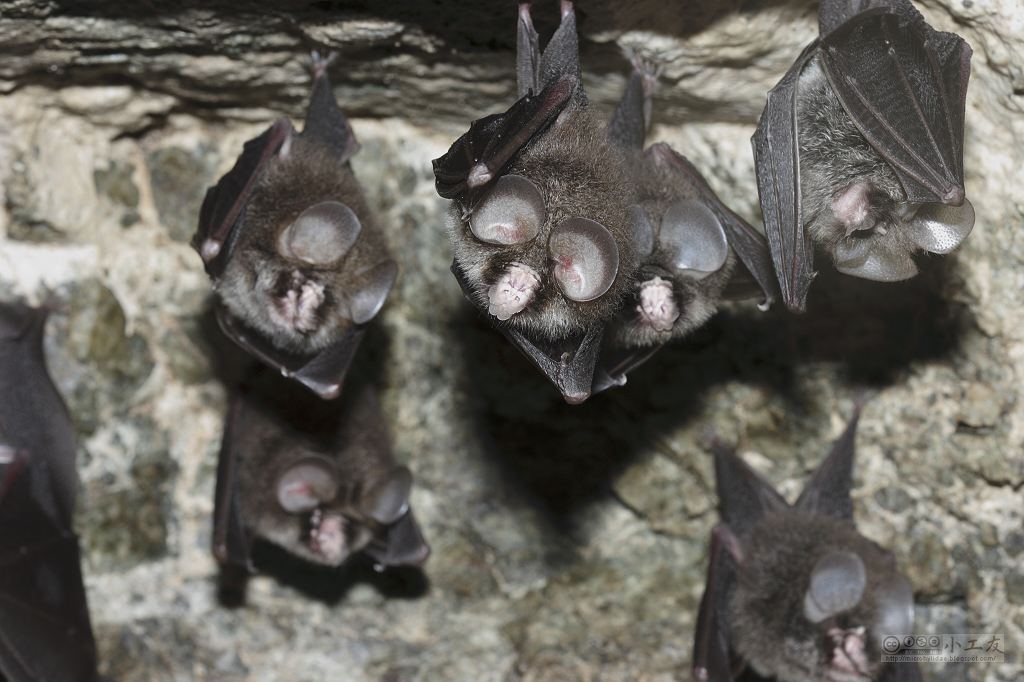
696,250
45,632
298,264
795,592
546,223
860,147
322,492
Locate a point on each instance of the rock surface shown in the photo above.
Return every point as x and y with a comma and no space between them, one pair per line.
569,543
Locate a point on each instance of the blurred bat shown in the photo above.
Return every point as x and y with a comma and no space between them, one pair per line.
795,592
860,147
696,251
297,261
316,478
44,618
548,223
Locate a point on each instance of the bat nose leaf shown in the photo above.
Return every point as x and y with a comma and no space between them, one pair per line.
387,502
512,213
894,599
940,228
586,258
694,237
322,234
837,584
640,226
373,289
864,257
306,484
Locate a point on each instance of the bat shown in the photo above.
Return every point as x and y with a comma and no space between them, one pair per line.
859,149
794,591
45,632
700,252
316,478
298,263
548,224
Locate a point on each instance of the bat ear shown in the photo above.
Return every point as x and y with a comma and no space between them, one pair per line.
406,546
390,500
641,228
894,604
586,258
837,584
512,213
372,290
694,237
940,228
321,235
864,257
306,484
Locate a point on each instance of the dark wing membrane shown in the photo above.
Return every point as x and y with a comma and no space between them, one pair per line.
492,144
325,122
904,85
712,661
777,159
224,206
230,544
323,373
44,618
900,672
749,245
828,491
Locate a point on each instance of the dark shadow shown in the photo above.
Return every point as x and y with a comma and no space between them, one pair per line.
562,456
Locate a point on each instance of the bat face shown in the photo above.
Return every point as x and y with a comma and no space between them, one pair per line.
297,261
561,227
860,147
798,594
45,632
322,501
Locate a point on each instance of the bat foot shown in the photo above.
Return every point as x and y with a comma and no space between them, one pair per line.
319,64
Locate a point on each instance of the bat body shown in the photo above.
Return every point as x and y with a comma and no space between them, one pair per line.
795,592
860,147
556,214
298,263
317,480
44,619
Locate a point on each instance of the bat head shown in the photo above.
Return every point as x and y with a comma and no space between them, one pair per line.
815,600
333,520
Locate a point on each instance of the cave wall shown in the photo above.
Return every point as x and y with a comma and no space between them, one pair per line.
569,543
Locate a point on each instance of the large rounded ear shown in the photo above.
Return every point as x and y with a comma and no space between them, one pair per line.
322,234
837,584
307,483
390,498
586,258
864,257
694,238
940,228
372,290
511,213
894,605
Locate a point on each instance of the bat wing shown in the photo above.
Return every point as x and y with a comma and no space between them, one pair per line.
323,373
748,244
231,546
223,210
904,85
777,161
712,659
324,120
628,124
745,497
828,491
33,417
569,364
479,157
45,632
900,672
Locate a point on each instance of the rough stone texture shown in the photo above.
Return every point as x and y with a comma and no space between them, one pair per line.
569,543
